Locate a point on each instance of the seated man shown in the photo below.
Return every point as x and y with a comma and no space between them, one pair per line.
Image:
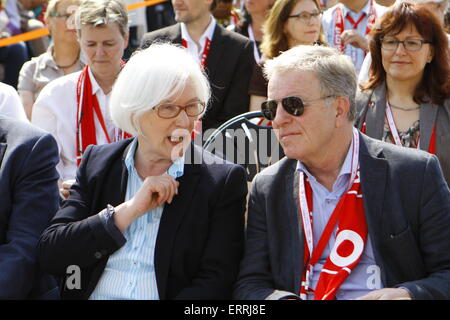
29,199
343,216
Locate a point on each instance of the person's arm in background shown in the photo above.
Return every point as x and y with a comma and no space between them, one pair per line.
36,200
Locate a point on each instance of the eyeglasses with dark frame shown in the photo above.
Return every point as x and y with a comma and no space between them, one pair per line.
306,16
59,15
391,44
170,110
293,105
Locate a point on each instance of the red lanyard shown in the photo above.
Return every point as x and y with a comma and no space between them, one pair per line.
205,53
396,136
353,23
306,215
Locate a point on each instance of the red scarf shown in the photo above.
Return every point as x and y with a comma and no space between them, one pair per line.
87,105
350,238
339,23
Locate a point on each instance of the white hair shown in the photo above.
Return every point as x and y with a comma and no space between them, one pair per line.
151,76
335,71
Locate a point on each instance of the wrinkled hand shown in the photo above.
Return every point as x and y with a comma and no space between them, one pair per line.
354,38
387,294
155,191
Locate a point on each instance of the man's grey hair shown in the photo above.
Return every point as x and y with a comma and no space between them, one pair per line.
335,71
101,12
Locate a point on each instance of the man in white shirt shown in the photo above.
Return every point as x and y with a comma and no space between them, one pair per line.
226,56
347,24
10,104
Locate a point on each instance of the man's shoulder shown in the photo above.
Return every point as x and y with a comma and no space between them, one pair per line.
276,173
15,132
166,34
231,35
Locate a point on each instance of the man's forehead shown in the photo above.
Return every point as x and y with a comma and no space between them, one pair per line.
292,82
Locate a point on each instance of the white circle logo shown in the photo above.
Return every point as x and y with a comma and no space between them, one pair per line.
358,247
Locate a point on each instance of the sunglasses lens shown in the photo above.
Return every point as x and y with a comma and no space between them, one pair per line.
269,109
293,105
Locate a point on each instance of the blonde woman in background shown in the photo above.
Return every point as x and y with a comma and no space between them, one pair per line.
62,57
290,23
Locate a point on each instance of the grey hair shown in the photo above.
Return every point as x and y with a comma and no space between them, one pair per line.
151,76
335,71
101,12
51,7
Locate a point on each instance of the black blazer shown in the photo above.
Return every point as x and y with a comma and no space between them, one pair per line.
229,67
407,208
29,198
200,237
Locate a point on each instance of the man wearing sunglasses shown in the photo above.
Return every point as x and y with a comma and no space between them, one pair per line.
343,216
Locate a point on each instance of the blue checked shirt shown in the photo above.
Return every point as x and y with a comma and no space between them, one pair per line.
130,272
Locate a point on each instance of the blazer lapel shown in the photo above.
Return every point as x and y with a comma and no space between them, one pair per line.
428,114
170,220
373,171
297,228
215,53
375,113
2,152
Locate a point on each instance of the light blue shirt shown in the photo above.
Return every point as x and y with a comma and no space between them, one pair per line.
328,23
130,272
365,276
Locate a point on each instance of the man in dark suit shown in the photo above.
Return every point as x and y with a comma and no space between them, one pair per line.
29,199
228,59
343,216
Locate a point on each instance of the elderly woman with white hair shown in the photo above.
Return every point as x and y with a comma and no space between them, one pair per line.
153,217
74,108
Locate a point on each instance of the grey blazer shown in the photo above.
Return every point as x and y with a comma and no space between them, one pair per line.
371,106
407,208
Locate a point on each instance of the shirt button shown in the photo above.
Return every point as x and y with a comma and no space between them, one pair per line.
98,255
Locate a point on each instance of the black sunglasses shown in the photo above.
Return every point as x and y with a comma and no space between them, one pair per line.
293,105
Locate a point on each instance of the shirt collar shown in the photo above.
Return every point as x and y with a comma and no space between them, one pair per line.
366,9
176,170
209,32
345,169
94,83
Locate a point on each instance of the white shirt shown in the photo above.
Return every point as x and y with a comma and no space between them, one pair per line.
192,46
55,111
10,103
328,22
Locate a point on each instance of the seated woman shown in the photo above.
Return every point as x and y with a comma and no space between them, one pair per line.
289,23
75,108
406,100
62,57
153,217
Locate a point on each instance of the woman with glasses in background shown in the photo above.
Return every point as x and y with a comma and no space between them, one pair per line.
62,57
289,23
406,99
153,217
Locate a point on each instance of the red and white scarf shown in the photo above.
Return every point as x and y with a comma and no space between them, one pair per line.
87,106
350,240
339,23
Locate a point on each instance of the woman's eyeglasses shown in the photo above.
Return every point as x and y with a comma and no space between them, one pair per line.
391,44
168,111
59,15
306,16
293,105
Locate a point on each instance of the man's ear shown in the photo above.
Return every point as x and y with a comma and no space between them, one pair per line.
342,107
